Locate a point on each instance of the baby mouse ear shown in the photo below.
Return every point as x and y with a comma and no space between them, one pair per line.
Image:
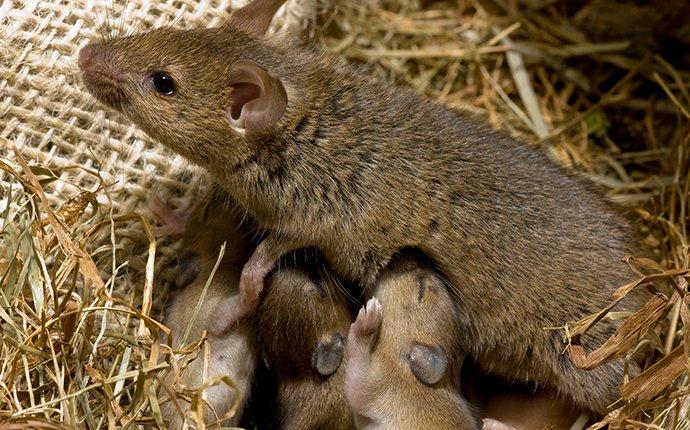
428,363
258,99
255,17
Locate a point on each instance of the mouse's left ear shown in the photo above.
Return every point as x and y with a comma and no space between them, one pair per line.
256,16
258,98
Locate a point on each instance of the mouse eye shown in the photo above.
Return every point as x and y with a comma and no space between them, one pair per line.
163,83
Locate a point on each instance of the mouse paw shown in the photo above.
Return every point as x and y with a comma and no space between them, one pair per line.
174,223
368,320
251,286
360,339
254,272
359,348
231,310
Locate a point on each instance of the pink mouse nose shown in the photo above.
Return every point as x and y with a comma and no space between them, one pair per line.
86,57
96,62
92,57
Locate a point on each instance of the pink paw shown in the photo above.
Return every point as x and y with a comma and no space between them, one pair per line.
232,310
235,308
368,320
251,286
358,375
174,222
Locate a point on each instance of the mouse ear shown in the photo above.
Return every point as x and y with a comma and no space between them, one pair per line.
255,17
428,363
258,99
328,354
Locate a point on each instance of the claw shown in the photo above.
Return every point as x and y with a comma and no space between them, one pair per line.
369,318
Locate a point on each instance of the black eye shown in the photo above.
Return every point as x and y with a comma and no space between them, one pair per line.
163,83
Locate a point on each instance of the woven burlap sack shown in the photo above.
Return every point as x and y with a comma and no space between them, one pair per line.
48,118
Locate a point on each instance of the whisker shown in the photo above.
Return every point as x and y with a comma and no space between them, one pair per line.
345,291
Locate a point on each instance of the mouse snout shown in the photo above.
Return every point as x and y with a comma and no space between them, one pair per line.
96,59
91,57
101,76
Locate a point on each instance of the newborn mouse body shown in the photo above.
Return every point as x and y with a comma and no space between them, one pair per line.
233,350
302,323
321,155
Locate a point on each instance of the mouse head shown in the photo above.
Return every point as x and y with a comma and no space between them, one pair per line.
197,91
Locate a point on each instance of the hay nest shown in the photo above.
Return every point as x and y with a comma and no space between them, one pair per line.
601,85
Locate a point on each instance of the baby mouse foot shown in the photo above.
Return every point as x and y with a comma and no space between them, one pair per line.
492,424
359,349
368,319
233,309
254,272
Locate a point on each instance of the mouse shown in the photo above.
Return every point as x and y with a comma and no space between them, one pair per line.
321,155
204,227
302,324
404,357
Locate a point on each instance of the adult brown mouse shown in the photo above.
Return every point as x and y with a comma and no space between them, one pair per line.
302,324
321,155
205,227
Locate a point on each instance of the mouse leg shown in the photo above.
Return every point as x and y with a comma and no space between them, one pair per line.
231,310
491,424
260,264
359,348
252,279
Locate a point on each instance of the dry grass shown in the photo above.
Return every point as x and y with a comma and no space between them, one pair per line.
609,106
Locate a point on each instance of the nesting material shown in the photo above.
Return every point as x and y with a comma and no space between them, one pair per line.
82,274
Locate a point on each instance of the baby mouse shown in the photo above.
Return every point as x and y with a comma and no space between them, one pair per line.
321,155
404,356
214,221
404,364
302,324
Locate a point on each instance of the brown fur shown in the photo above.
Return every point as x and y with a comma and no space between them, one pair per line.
299,310
360,169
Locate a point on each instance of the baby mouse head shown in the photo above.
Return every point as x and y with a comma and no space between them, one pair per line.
196,90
